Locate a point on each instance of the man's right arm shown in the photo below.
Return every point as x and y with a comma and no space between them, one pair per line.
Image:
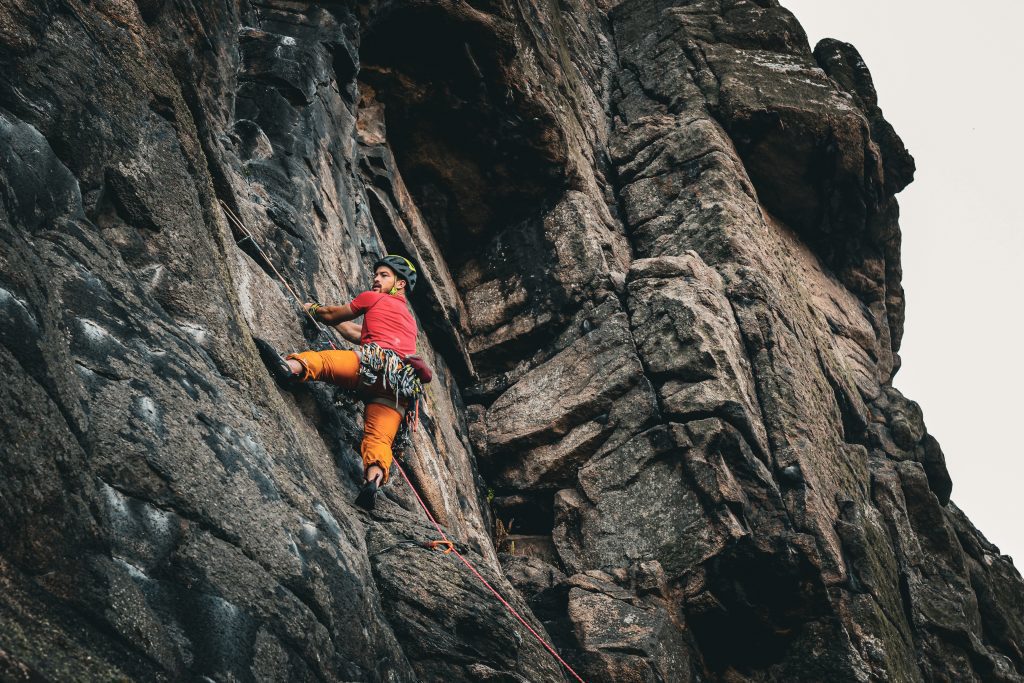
339,318
332,315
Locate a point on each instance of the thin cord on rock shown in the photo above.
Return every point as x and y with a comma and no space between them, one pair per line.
451,548
237,222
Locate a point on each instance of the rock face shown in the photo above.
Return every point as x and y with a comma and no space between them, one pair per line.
661,291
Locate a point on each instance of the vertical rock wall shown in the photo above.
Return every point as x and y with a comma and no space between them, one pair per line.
661,291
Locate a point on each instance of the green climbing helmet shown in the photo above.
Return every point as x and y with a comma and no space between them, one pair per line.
402,266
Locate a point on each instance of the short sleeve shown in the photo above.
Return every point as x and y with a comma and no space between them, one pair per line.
361,303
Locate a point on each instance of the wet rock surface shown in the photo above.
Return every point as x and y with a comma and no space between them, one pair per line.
660,287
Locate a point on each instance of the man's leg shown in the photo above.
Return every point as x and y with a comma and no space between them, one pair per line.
342,368
336,367
381,423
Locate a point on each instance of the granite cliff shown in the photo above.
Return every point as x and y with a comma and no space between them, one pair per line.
661,294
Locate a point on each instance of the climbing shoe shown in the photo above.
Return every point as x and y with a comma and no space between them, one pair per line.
367,495
277,365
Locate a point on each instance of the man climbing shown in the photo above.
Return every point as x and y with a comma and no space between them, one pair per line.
384,367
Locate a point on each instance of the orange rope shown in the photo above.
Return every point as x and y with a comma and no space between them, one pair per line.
450,547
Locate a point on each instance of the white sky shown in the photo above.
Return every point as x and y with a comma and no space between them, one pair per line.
948,79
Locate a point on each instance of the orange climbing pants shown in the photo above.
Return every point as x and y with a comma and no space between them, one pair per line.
380,422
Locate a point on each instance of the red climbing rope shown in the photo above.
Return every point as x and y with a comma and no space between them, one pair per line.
450,547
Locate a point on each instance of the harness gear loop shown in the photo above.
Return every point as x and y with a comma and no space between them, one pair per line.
384,370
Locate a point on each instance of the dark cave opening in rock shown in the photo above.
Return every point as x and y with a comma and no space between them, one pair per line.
527,512
481,160
757,605
524,521
474,153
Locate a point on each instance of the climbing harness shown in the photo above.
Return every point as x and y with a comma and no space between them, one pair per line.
377,364
237,222
449,547
385,368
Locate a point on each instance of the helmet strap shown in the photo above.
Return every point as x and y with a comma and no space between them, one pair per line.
394,290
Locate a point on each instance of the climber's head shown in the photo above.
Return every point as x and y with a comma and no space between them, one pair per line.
393,274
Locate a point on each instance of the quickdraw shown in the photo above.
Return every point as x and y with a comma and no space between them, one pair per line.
438,545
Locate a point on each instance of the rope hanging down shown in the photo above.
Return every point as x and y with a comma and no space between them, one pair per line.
240,226
449,547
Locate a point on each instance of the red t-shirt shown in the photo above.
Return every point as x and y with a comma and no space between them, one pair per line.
387,322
